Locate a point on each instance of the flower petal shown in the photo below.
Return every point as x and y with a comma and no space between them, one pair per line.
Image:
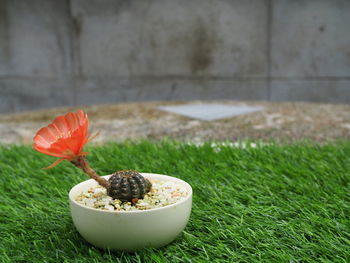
83,119
51,152
48,135
54,163
65,137
72,121
61,124
41,141
93,136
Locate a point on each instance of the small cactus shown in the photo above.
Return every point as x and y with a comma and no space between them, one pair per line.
128,185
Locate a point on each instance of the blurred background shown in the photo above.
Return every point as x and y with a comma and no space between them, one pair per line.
77,52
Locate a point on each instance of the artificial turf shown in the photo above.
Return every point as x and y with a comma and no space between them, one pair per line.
275,203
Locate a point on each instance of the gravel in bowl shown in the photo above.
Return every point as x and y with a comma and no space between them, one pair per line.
162,193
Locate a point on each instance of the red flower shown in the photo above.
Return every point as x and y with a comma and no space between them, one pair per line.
65,137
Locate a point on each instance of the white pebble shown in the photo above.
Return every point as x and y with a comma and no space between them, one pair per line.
162,193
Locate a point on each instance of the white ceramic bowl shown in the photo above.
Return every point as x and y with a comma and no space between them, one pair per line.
130,230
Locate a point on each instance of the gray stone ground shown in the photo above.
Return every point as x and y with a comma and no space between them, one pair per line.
285,122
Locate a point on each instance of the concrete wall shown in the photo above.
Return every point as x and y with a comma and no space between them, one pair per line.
56,53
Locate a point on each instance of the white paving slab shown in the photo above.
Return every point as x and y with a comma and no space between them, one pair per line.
210,112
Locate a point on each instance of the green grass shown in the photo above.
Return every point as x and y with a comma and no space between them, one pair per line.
278,203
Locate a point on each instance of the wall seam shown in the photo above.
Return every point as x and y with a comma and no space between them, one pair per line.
268,46
75,51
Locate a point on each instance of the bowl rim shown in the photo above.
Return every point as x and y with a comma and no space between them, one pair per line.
134,211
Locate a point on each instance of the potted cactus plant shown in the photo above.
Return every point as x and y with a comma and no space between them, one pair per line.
112,225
